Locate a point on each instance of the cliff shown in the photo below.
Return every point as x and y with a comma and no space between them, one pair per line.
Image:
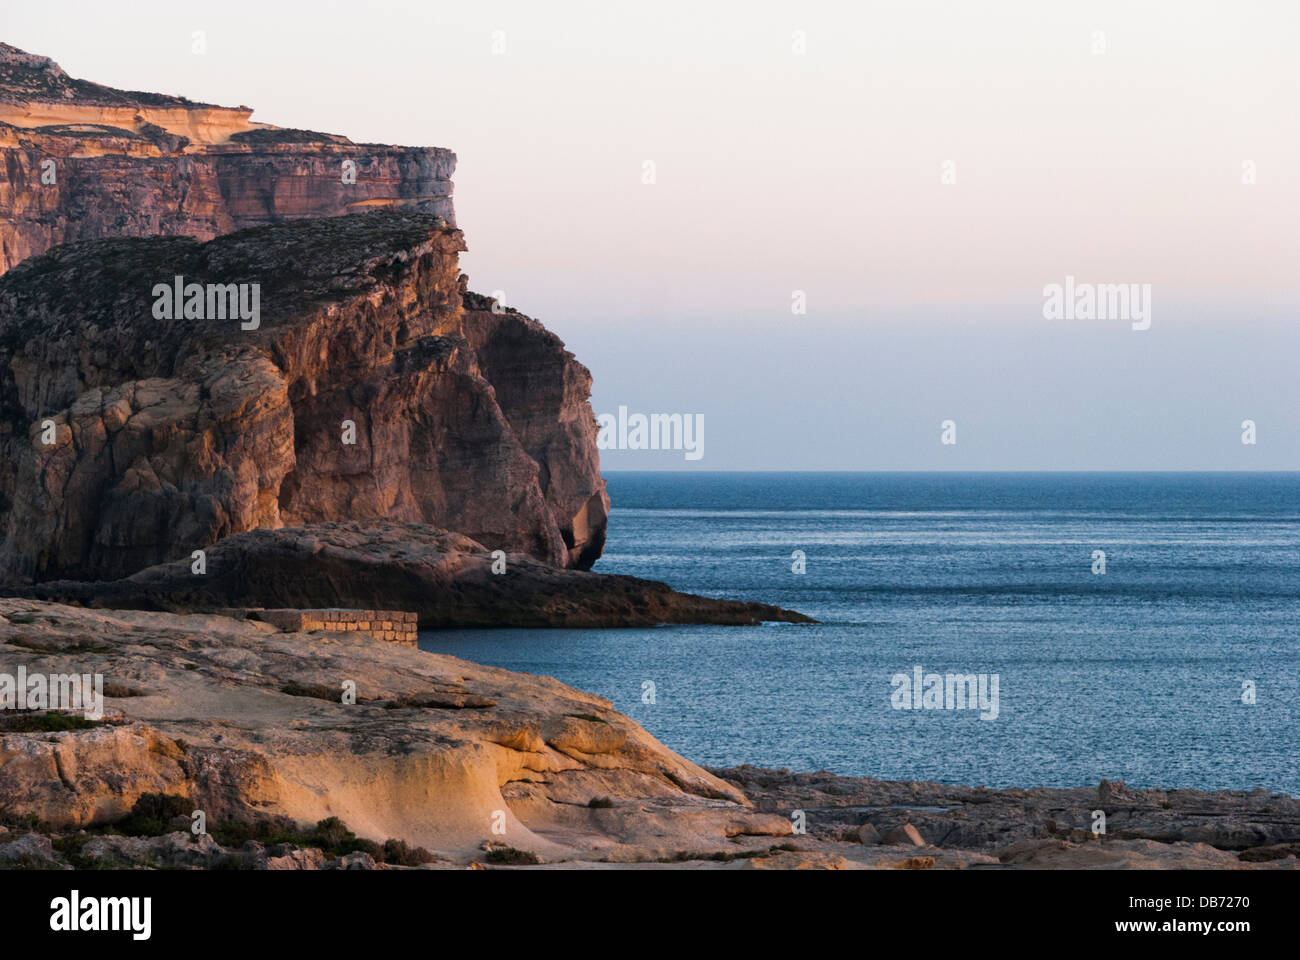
84,161
132,434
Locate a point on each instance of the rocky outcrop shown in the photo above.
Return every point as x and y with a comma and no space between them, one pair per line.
543,391
448,764
131,435
445,578
247,723
84,161
87,161
1037,828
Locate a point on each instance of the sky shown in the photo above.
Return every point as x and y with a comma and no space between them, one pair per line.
663,185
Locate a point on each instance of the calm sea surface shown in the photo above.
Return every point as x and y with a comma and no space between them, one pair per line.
1136,674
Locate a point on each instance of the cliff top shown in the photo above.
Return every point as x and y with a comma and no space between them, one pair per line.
77,288
36,94
27,76
116,301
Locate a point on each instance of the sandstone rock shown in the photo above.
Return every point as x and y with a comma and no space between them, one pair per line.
30,850
519,471
173,850
1153,829
1264,854
131,164
905,834
542,391
289,857
171,434
868,835
352,861
1024,850
230,741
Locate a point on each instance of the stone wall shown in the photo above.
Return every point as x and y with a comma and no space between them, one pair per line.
395,626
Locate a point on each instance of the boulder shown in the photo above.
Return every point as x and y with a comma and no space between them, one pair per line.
868,835
906,835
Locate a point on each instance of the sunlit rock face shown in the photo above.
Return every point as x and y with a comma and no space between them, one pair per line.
243,720
84,161
174,433
363,390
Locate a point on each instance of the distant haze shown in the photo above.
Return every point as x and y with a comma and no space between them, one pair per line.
1105,141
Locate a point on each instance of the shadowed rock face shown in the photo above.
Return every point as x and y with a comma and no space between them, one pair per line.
169,434
84,161
543,391
446,578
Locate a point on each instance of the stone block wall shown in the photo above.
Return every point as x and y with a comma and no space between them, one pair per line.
394,626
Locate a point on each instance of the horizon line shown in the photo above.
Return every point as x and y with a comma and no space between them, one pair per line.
953,471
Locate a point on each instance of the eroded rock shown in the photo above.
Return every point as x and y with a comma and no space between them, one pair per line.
214,726
86,161
130,440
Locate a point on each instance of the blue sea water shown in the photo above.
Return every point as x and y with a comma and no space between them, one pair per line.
1136,674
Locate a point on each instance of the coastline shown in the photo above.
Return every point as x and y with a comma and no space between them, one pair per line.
481,768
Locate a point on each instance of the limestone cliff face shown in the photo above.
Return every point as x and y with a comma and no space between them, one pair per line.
543,391
174,433
366,392
84,161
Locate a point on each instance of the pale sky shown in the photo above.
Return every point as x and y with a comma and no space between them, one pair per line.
821,172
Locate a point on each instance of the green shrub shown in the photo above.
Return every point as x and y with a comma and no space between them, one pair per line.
45,722
332,834
152,814
400,853
512,857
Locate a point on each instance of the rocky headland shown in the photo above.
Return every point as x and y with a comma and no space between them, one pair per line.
326,386
323,457
445,578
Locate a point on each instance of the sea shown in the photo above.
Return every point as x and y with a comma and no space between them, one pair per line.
1142,627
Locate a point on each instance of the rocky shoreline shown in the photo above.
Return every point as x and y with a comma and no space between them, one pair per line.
444,764
283,393
447,579
240,368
